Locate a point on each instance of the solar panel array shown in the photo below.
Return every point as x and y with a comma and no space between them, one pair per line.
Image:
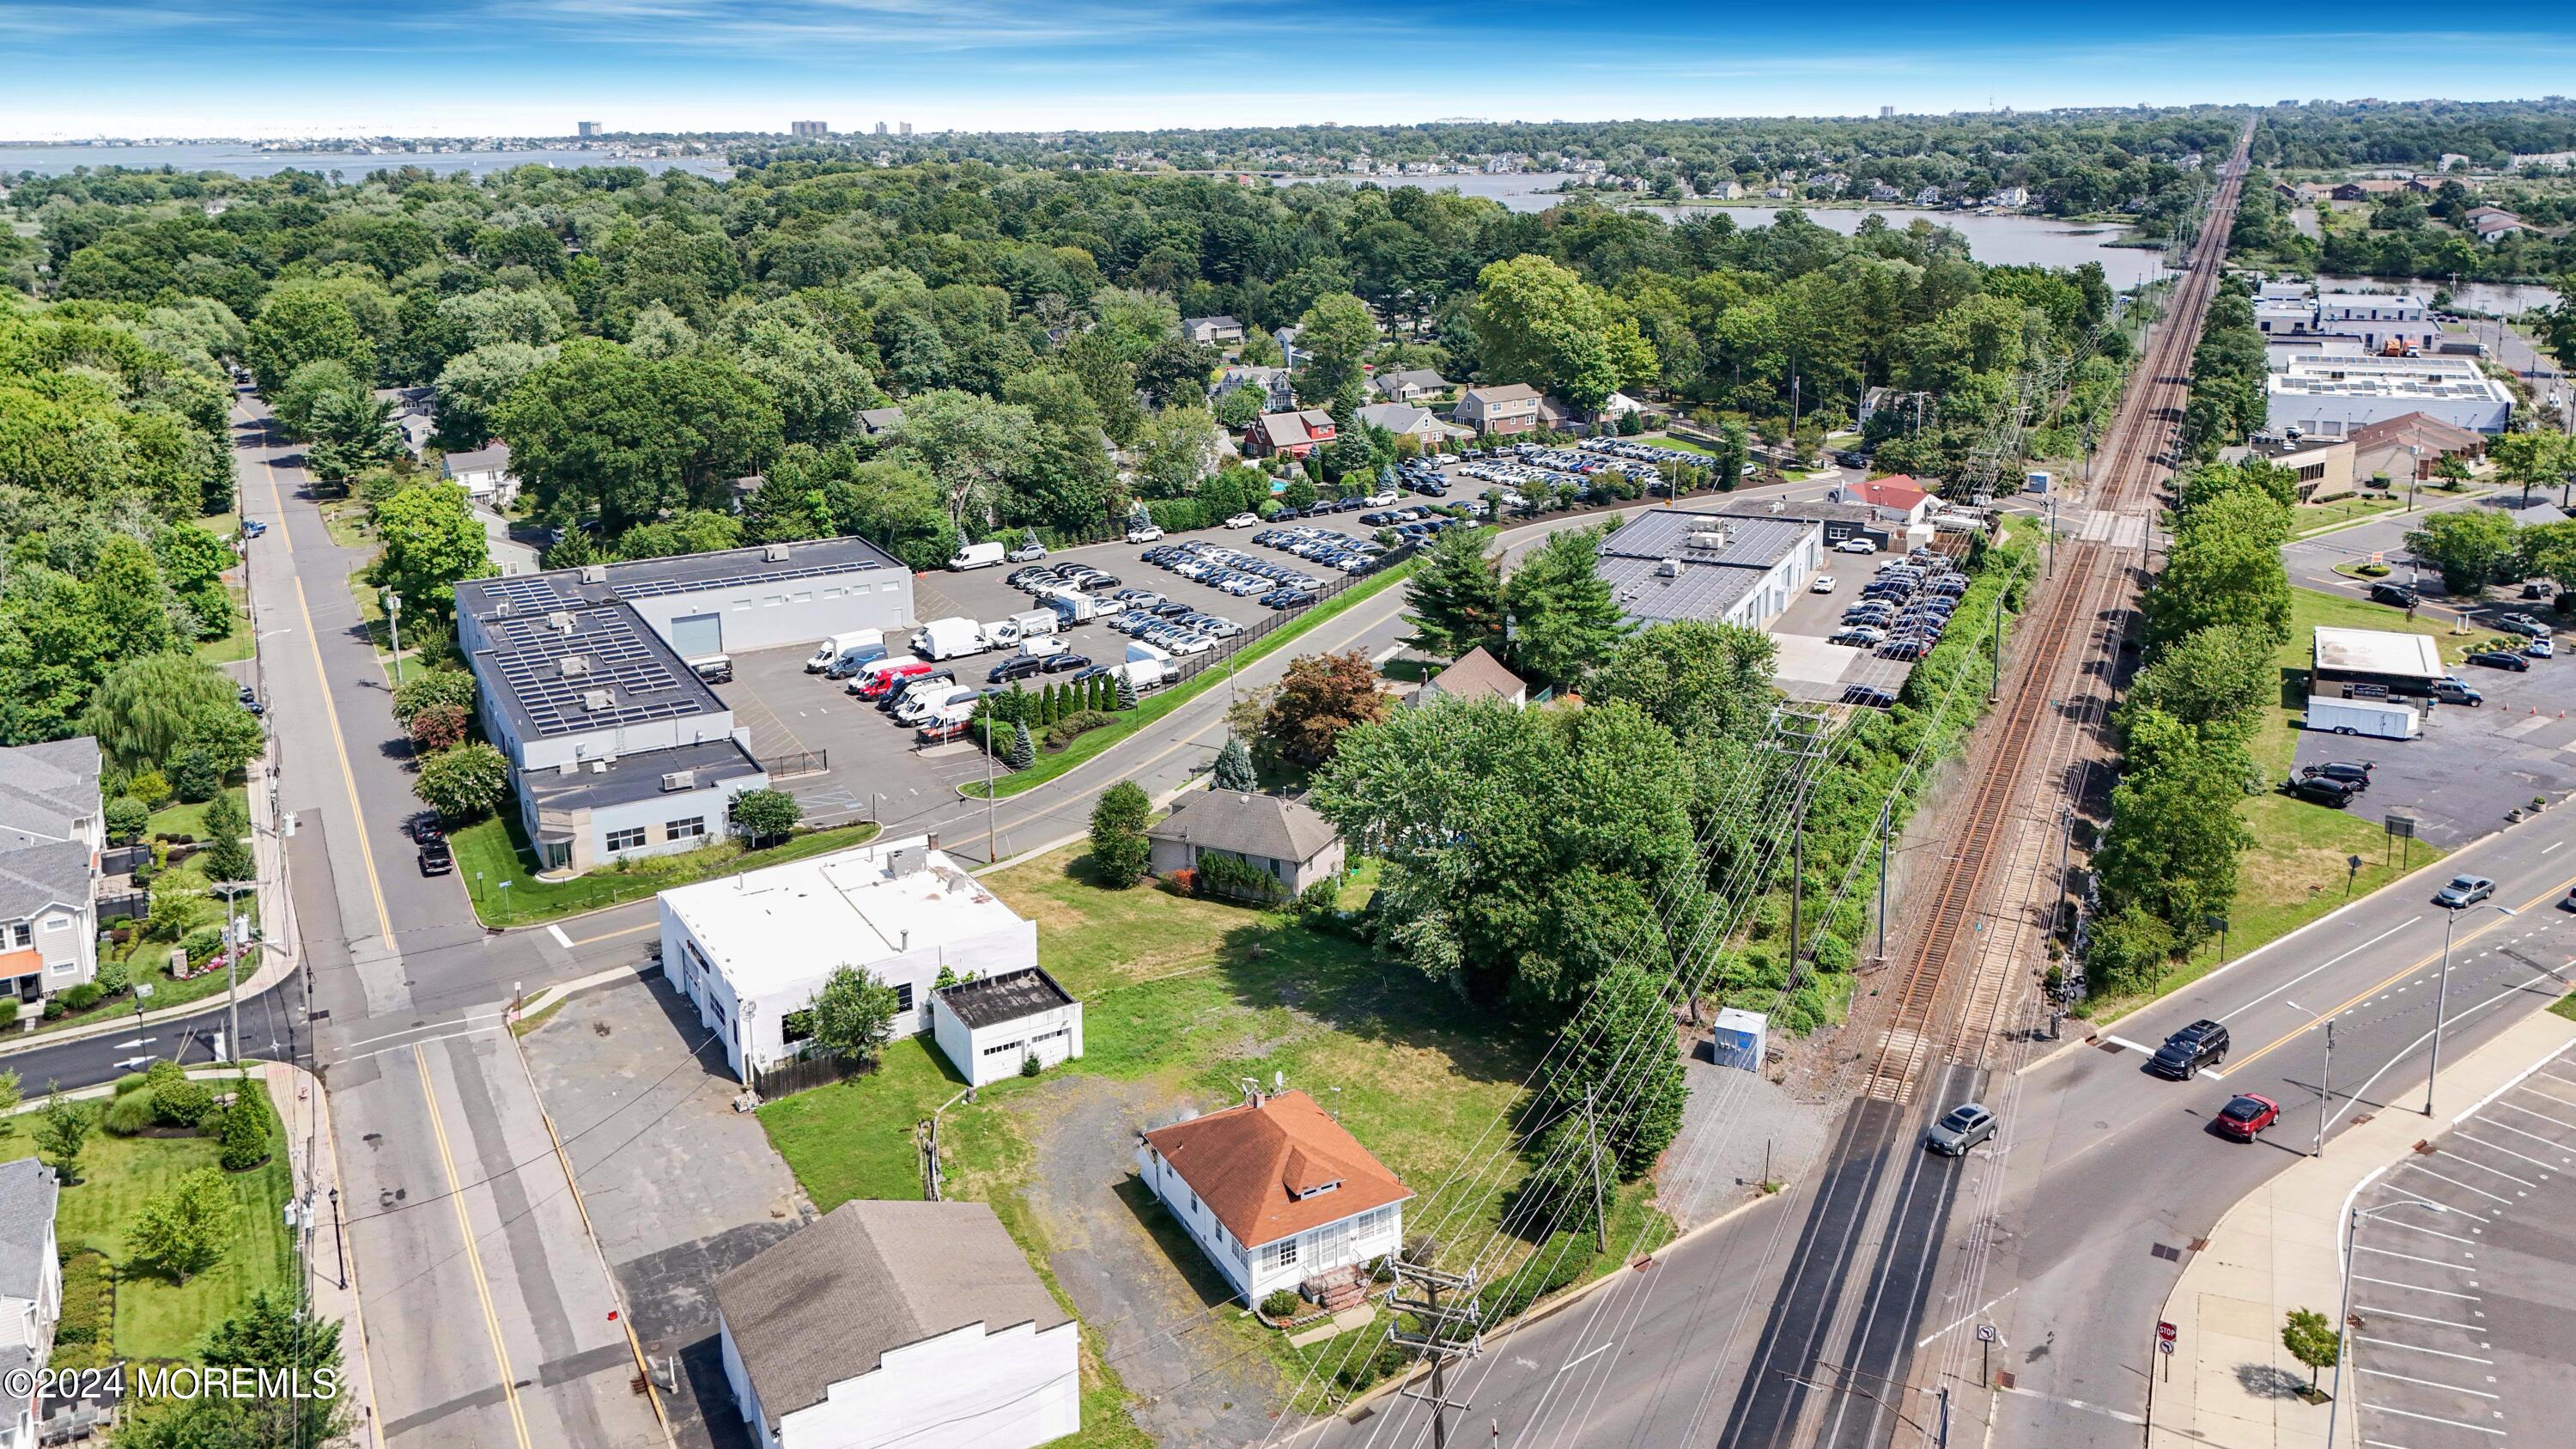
524,593
656,588
638,672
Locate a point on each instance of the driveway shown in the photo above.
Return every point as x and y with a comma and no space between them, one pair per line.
680,1188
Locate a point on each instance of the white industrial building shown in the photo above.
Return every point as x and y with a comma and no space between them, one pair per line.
989,1026
2333,396
898,1323
1276,1193
1668,564
617,747
2378,321
752,951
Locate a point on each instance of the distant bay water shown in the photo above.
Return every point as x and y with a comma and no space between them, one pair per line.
242,160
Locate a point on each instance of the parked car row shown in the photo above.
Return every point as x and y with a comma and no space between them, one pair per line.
1176,628
1904,610
1038,580
1232,571
1645,453
1329,547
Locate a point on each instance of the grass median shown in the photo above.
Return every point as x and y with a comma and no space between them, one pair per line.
489,852
1092,743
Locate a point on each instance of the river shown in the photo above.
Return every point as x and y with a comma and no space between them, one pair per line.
2016,240
248,160
2499,299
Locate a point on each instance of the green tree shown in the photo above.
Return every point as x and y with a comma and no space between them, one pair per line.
472,387
2468,546
431,539
2218,677
1455,597
62,1131
1024,748
2176,836
352,432
1563,616
1318,698
2224,568
465,783
227,856
426,687
853,1015
1337,334
1538,322
603,431
298,1399
1572,1180
182,1232
301,322
12,1092
1119,848
295,399
243,1129
2313,1340
127,818
193,561
763,816
1621,1047
970,445
146,707
1234,768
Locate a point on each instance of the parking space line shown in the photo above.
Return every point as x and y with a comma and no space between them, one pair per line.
2454,1237
2433,1419
2455,1182
2420,1318
2432,1384
2482,1167
2381,1444
2507,1151
2418,1288
2518,1132
2418,1348
2412,1258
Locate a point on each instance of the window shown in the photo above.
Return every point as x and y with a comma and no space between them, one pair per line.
57,923
795,1026
16,933
903,996
773,601
831,593
1281,1254
628,839
741,605
885,588
806,597
689,829
995,1051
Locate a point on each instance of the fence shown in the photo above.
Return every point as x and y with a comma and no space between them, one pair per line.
790,766
1279,619
805,1073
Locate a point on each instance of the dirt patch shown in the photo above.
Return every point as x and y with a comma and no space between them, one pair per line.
1166,1321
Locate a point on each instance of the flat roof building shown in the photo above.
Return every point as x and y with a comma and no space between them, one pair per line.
990,1027
2400,663
2333,396
1670,564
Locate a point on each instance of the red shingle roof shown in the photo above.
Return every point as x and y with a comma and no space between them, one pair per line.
1896,491
1251,1164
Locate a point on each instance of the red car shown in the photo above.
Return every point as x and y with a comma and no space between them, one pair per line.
2247,1116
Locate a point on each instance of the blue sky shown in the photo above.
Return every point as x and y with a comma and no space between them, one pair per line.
289,67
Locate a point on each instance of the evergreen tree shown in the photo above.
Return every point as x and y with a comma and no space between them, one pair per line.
1455,596
1565,620
1024,750
1126,692
1234,767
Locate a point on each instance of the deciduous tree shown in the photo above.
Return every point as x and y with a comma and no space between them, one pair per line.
1319,697
182,1232
853,1015
431,539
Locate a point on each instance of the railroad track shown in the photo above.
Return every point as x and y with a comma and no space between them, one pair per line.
2043,718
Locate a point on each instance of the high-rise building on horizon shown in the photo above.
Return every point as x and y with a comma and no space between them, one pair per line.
588,128
809,128
1886,112
907,127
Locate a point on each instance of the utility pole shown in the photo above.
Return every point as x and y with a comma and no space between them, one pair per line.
990,836
1995,690
1886,812
1592,1132
232,963
1804,738
393,622
1438,1345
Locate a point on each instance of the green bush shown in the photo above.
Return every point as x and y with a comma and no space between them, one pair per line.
8,1010
132,1082
111,978
202,942
1063,731
184,1102
1280,1303
244,1133
2373,570
1029,1065
89,1306
195,773
127,817
130,1113
82,997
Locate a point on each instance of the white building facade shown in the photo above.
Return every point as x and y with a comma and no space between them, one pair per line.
988,1027
1274,1192
2333,396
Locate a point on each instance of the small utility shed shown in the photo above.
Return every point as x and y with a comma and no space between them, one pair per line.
1271,833
913,1323
987,1027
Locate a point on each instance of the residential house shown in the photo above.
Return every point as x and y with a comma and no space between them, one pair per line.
1276,1193
1212,331
1556,415
52,826
2012,196
1278,395
1289,352
1410,385
886,1323
1406,420
1293,433
989,1027
1725,191
1498,411
485,473
31,1290
1881,191
877,422
1282,838
1898,499
1777,192
2491,222
2409,445
413,412
1928,196
2368,189
751,952
1474,675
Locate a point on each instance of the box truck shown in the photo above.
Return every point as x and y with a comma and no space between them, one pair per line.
853,649
1148,660
1072,606
977,556
950,638
1029,625
2365,717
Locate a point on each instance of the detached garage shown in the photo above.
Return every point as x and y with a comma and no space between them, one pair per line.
988,1028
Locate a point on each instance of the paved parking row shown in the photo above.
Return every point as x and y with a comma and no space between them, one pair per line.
2463,1277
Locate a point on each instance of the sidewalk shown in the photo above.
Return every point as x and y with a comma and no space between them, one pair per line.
314,1153
2278,1250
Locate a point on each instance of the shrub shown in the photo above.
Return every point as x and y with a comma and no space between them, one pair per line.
1119,849
1064,731
127,817
2373,571
149,786
129,1114
195,773
1029,1065
245,1134
132,1082
202,942
465,783
437,727
8,1010
433,687
111,978
1280,1303
82,997
183,1103
765,815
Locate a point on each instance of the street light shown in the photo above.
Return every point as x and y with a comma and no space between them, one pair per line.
2325,1077
2343,1319
2442,1000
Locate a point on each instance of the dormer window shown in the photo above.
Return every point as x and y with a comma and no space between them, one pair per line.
1319,1189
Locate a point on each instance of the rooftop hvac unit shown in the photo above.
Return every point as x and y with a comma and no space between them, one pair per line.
560,620
569,767
1670,568
1709,538
503,608
680,780
774,552
594,700
594,573
574,666
599,767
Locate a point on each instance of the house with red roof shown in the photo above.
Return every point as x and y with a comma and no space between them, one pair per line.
1276,1193
1293,433
1897,497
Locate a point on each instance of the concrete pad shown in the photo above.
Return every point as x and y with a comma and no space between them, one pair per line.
2235,1317
1340,1323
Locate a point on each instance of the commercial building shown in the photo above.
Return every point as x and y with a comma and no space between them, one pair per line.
990,1027
2410,446
2373,663
1275,1193
2379,319
752,951
617,747
1667,564
2323,466
52,825
2333,396
587,128
898,1323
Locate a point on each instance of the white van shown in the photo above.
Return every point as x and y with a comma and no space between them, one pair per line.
977,556
1044,645
1027,625
922,705
838,649
950,638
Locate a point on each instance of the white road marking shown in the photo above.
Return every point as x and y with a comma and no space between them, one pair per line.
2418,1288
2482,1167
2455,1182
560,938
2420,1318
1594,1351
2518,1132
2507,1151
2304,975
2454,1237
429,1026
2076,1404
2431,1384
2553,845
2412,1258
1963,1318
2121,1041
2435,1419
2418,1348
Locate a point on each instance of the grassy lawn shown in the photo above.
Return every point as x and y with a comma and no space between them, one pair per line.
180,818
348,523
489,852
1188,996
2565,1006
235,646
2297,868
2311,519
1154,707
1678,445
156,1319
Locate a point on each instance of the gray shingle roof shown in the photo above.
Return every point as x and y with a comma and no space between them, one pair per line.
46,789
829,1302
27,1193
43,875
1264,825
488,457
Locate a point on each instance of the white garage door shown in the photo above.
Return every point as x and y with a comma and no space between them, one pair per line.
697,636
1051,1047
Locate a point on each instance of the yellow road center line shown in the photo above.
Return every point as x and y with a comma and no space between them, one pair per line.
473,1256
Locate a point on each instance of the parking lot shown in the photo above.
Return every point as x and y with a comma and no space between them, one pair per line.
2459,1316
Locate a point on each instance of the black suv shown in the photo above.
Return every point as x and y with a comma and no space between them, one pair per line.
2398,594
2322,789
436,858
2201,1044
2355,773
